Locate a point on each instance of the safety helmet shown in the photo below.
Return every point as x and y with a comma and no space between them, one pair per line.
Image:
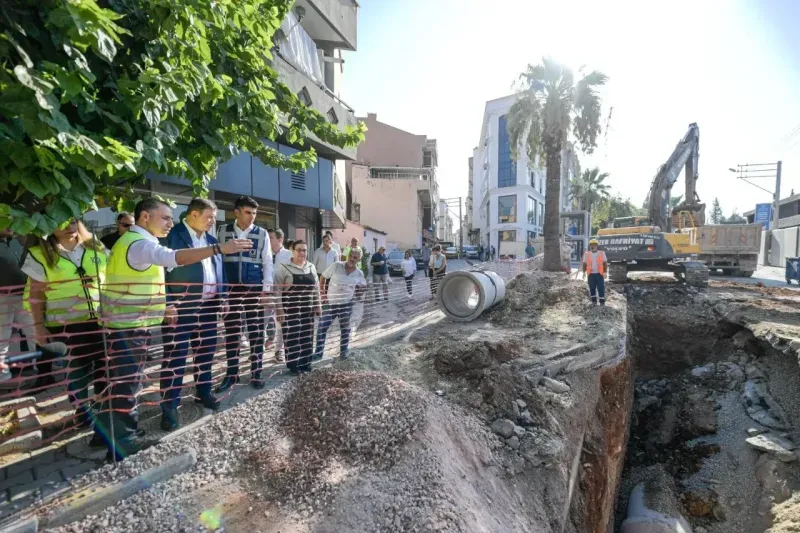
593,241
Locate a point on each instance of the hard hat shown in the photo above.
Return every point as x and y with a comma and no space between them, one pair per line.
593,241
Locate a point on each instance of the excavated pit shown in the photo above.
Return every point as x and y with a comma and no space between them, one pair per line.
712,369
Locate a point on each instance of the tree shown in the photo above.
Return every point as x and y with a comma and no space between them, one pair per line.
735,218
91,99
552,107
610,208
675,202
716,212
589,188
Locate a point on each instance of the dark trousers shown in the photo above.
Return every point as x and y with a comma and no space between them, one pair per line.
435,279
86,361
298,339
118,419
197,326
597,285
409,280
342,311
244,308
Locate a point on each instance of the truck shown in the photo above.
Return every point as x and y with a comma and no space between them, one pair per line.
730,248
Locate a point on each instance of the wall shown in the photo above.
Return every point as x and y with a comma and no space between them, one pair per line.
387,146
390,205
366,237
785,243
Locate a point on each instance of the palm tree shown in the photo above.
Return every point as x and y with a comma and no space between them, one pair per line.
590,188
550,108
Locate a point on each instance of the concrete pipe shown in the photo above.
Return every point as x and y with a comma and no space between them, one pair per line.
463,295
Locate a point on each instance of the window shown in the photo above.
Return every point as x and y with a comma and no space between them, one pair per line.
541,213
507,236
506,167
531,235
507,209
427,159
531,210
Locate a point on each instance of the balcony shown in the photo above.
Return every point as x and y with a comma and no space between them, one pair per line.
331,23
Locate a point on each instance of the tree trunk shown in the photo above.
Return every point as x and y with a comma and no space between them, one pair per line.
552,202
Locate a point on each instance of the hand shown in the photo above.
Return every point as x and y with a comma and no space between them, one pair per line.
42,335
584,274
224,308
279,316
171,315
318,310
234,246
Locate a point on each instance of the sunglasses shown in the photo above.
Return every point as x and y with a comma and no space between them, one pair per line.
124,225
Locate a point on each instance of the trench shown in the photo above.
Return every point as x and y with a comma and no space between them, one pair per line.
702,385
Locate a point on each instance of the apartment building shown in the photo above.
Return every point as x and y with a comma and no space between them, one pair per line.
308,59
392,184
469,234
445,231
508,196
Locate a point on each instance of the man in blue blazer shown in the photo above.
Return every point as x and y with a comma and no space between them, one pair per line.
197,294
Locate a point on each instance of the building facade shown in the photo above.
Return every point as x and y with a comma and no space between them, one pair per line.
508,196
469,233
392,184
308,59
445,231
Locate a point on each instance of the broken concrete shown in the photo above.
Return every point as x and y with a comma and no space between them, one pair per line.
774,445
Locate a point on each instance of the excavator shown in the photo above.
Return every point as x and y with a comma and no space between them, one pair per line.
666,239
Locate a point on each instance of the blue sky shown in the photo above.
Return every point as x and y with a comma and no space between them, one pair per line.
429,66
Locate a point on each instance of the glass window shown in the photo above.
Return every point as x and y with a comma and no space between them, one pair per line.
531,210
541,212
508,236
506,167
507,209
531,235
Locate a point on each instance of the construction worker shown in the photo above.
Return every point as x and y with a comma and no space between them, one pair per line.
595,267
134,302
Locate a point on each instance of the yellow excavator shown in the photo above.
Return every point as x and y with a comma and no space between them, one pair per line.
665,240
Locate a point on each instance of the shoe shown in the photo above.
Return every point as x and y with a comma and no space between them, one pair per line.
43,382
279,358
257,383
305,370
210,402
316,357
97,440
227,383
344,355
132,447
169,420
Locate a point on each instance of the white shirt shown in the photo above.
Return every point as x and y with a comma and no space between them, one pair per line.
282,257
36,271
266,255
342,286
146,252
409,267
209,274
322,259
338,250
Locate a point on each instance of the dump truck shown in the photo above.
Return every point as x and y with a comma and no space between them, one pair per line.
730,248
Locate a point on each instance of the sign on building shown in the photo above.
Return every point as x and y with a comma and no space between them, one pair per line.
763,215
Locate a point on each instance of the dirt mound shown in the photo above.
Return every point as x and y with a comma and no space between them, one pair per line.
531,292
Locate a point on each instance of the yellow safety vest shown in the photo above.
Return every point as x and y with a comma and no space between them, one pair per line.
132,298
70,295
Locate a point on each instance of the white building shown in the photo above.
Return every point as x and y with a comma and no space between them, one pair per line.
444,228
508,197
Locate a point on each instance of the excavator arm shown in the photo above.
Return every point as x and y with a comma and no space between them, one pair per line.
685,156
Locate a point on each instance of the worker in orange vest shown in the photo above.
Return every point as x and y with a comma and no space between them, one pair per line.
595,267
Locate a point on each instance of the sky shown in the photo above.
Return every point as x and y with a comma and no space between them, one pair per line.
733,67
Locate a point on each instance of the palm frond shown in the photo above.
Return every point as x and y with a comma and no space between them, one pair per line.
587,110
525,126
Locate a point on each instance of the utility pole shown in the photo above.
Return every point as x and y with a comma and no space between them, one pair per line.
764,170
461,220
776,213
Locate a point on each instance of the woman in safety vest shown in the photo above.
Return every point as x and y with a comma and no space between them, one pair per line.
64,271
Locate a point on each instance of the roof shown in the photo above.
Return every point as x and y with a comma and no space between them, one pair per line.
787,200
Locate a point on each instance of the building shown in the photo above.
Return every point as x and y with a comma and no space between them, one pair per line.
444,228
308,59
392,184
469,233
783,242
508,196
370,238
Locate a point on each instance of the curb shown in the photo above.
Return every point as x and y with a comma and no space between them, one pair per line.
84,503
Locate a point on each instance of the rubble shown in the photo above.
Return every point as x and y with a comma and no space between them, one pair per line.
774,445
762,407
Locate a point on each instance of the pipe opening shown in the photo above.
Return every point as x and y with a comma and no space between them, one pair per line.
461,296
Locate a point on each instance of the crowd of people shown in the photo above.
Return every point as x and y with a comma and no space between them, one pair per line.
107,299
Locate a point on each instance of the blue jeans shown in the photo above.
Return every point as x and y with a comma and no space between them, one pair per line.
197,327
127,354
329,314
597,285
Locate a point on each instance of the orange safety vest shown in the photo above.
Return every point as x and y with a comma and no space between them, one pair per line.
594,262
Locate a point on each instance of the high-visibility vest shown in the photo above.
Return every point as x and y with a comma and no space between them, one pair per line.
132,298
245,266
594,262
72,292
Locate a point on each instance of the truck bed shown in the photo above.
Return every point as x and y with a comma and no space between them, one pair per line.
740,239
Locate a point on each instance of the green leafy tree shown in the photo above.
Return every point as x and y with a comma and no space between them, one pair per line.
716,212
553,106
610,208
92,98
675,202
735,218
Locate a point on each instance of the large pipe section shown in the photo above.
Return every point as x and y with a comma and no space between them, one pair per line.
463,295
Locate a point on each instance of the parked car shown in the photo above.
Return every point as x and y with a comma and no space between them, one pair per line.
451,252
416,253
395,262
471,252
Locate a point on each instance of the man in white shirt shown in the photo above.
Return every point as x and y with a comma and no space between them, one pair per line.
334,244
280,255
341,285
325,255
249,275
198,294
129,336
